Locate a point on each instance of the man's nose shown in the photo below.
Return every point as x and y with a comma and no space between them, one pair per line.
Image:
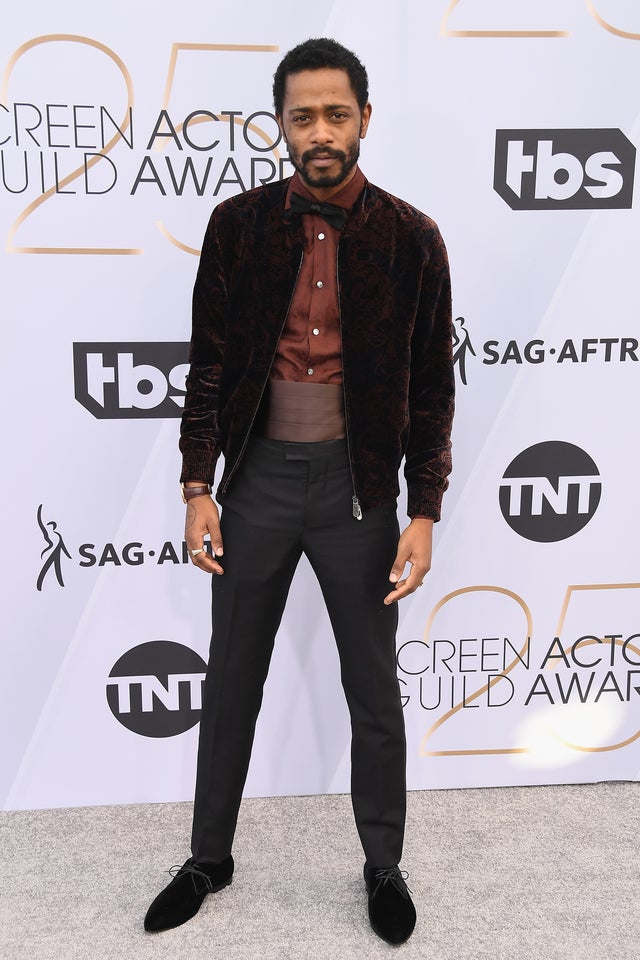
322,132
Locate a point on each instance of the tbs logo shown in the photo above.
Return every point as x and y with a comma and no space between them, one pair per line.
131,380
564,169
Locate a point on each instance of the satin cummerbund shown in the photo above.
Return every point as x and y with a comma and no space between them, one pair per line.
304,412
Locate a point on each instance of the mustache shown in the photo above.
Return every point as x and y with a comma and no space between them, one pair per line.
323,152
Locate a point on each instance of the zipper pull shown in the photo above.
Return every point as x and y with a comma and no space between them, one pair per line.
357,511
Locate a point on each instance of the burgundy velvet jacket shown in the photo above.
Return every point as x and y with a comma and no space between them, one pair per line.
395,318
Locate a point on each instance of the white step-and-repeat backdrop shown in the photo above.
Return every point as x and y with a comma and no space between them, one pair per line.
515,124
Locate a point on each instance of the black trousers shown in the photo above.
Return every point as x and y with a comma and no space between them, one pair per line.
290,498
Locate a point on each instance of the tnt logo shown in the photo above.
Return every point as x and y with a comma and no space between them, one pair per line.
568,169
131,380
155,689
550,491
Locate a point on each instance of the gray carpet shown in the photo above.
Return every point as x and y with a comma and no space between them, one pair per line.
538,872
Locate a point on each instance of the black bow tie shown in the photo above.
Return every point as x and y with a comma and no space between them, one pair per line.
334,215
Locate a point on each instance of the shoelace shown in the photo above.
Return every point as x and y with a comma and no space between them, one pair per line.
395,876
177,870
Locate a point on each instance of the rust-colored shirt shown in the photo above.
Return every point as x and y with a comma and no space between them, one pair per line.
310,351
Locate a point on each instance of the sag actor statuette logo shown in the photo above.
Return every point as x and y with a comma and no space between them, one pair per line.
55,549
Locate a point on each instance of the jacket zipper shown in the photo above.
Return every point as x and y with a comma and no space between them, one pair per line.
356,508
264,386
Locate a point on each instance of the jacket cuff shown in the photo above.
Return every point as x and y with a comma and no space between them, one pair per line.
198,466
425,503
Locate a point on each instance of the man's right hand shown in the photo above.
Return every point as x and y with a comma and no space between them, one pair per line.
202,519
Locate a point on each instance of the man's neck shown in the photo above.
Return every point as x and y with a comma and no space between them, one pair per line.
325,193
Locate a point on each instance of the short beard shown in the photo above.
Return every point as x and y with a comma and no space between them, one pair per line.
347,163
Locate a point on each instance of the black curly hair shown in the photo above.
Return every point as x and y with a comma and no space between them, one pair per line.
316,55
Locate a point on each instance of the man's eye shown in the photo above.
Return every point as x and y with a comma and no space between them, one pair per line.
300,119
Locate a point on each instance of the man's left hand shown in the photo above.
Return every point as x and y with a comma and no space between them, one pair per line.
414,548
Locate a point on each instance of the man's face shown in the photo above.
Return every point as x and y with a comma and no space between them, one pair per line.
322,125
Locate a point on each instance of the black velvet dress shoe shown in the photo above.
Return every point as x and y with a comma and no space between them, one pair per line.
391,910
183,897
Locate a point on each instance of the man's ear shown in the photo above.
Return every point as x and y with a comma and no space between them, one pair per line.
365,116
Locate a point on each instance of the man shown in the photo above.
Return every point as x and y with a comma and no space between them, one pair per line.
321,354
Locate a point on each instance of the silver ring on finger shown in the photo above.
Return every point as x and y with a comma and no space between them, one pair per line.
194,553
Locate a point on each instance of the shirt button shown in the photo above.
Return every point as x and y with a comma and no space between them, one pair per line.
321,236
310,371
315,331
319,284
